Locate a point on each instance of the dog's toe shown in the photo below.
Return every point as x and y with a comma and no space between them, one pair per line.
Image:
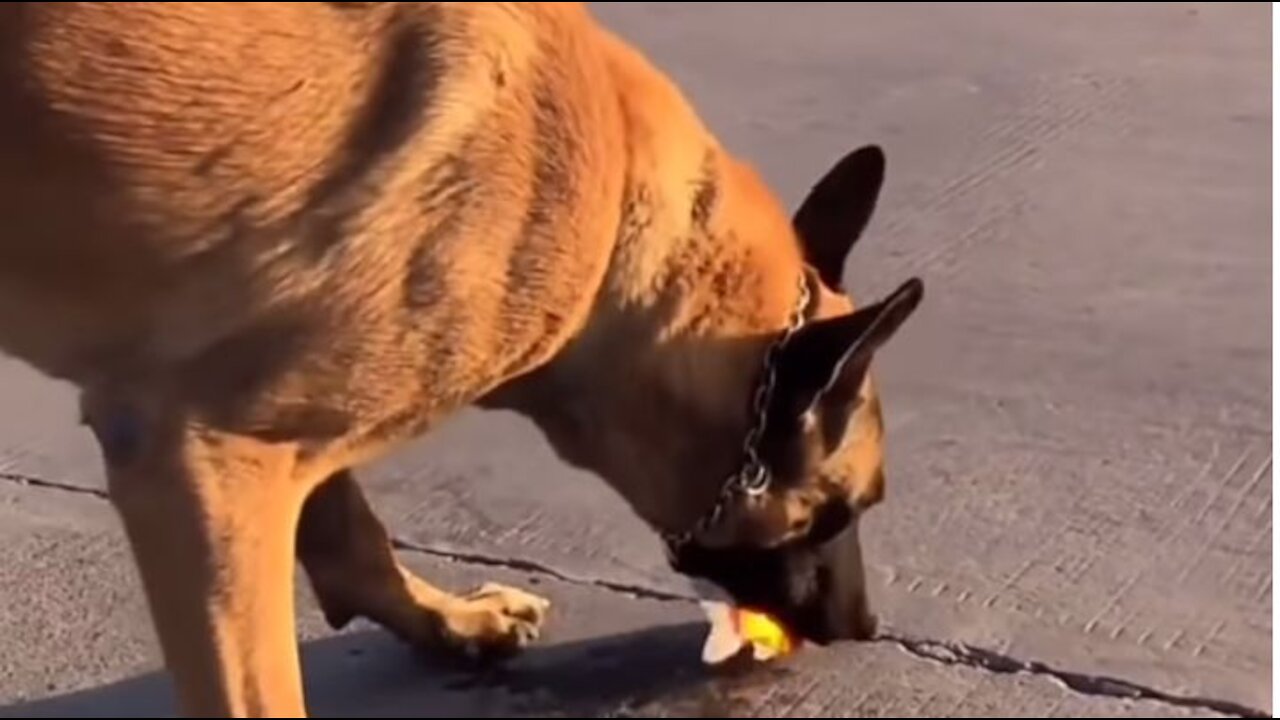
496,622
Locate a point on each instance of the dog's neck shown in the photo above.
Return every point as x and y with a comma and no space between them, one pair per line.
653,393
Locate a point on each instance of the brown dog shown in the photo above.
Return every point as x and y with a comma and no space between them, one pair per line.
270,241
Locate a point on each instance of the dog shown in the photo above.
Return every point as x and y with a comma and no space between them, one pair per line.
271,241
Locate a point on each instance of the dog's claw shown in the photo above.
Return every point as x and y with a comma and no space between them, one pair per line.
496,622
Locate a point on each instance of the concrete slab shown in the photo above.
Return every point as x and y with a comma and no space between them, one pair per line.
77,645
1080,468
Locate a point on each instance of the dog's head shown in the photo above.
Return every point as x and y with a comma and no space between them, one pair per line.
794,550
659,413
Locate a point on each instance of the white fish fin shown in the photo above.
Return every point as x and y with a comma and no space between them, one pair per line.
724,640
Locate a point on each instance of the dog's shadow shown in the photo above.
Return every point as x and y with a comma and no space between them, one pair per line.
368,674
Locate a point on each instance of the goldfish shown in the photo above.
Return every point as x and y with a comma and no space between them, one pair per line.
733,628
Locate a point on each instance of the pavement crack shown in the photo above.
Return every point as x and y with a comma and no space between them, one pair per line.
442,553
532,566
954,653
939,651
35,482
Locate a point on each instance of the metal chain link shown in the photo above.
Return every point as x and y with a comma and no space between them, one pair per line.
753,478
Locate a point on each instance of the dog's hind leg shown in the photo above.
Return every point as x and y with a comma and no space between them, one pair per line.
211,519
348,557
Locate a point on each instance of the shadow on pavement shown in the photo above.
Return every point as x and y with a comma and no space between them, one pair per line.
369,674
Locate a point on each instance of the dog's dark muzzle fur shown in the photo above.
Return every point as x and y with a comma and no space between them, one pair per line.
815,585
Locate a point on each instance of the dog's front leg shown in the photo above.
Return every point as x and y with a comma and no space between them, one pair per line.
348,557
211,520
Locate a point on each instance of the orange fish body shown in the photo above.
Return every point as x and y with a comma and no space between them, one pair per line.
733,628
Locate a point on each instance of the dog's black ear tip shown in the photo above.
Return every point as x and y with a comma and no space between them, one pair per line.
911,291
903,302
864,166
872,152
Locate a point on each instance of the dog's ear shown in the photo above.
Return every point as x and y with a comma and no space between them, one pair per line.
823,366
837,210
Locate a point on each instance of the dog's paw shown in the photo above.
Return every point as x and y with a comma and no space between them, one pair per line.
495,622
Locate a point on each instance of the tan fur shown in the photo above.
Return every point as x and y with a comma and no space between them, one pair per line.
271,241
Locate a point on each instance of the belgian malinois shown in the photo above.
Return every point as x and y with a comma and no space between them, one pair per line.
270,241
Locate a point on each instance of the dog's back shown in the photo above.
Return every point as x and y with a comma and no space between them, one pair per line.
271,240
220,190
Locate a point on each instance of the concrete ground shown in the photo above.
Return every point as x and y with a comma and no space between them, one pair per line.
1079,519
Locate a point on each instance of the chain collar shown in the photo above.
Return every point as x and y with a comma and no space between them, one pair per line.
753,477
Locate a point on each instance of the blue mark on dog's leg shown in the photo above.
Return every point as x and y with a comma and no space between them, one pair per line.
119,433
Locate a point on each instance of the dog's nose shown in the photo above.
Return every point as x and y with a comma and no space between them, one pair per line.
844,610
823,627
861,627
